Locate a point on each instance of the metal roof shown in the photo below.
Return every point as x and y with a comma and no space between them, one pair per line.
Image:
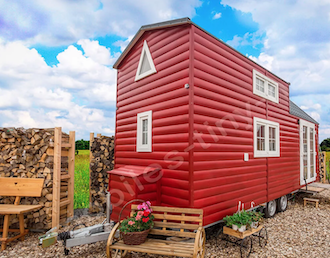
173,23
297,111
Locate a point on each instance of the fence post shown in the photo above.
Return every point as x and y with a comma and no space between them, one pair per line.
324,166
91,139
57,177
71,157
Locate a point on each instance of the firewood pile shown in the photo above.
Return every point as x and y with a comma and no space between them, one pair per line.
102,161
322,163
27,153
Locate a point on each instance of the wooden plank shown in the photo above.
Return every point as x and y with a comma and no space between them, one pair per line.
57,177
173,209
17,209
51,152
176,225
91,139
241,235
71,158
63,145
177,217
65,202
13,186
172,233
181,249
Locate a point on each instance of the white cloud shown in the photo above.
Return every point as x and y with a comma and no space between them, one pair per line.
74,94
65,22
296,47
216,16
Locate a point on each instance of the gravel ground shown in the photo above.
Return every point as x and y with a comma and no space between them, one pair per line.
297,232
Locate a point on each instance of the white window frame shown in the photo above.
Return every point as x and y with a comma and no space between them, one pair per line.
267,82
145,51
266,153
139,146
309,125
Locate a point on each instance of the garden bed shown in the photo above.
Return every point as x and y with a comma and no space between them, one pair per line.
297,232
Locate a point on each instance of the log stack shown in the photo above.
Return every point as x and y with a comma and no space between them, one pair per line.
27,153
323,171
102,160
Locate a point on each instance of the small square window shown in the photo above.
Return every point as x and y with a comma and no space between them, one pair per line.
265,87
266,138
144,132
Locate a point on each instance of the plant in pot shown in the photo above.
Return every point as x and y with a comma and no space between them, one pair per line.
255,218
135,229
238,221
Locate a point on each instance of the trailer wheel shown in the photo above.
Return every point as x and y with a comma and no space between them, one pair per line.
282,203
270,209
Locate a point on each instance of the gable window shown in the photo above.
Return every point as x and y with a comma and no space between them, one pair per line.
146,64
144,131
266,138
265,87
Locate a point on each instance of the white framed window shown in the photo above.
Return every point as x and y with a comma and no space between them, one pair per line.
307,152
144,132
266,138
146,64
265,87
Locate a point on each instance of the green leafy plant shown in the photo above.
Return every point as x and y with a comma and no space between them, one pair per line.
243,218
140,221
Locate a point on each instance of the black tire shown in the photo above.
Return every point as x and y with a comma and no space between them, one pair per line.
282,203
270,209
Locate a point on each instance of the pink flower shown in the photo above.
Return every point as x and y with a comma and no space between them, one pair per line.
131,223
139,207
138,217
140,213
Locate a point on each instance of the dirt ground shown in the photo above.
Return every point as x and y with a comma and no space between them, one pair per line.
298,232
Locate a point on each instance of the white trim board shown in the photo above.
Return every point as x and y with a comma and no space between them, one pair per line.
145,62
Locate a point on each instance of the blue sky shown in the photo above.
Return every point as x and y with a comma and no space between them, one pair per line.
56,57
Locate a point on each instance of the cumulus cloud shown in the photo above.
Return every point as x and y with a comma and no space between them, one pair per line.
296,47
78,93
65,22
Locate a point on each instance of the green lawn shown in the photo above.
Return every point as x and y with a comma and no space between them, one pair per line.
81,180
327,157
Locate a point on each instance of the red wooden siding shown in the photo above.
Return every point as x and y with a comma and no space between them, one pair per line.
200,134
164,94
224,103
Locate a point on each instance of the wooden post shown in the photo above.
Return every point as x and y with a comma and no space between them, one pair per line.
324,166
71,158
57,177
91,139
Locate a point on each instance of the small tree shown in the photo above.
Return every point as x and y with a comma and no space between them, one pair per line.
82,145
325,145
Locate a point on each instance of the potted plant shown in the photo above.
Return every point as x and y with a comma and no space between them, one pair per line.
255,218
135,229
238,221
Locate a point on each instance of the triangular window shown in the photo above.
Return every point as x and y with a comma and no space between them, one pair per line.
146,64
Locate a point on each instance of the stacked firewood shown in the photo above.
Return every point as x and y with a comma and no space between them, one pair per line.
102,161
27,153
322,165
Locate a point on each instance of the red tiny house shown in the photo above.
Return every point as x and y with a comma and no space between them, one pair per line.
220,125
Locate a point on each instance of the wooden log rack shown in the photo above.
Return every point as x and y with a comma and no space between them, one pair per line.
244,239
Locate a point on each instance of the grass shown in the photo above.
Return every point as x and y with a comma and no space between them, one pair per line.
81,180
